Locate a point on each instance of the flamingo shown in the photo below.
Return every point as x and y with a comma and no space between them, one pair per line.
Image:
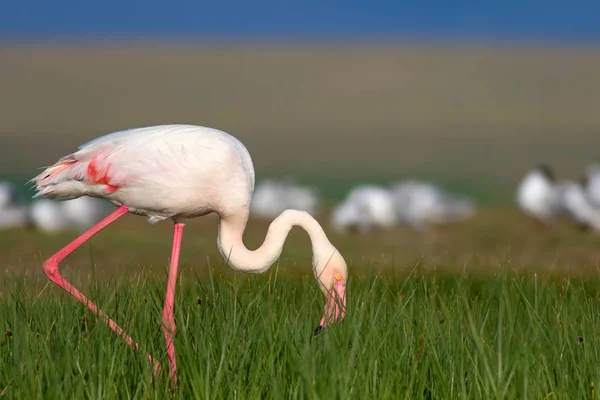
182,172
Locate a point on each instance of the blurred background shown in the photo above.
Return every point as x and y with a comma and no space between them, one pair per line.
330,95
335,92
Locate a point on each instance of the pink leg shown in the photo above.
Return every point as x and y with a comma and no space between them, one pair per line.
51,269
169,327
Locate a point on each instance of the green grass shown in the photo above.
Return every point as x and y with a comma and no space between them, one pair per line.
419,335
486,309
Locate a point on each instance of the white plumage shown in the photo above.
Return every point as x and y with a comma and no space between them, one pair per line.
78,214
84,212
170,171
575,205
413,203
271,197
592,184
418,204
536,195
366,208
9,195
14,216
181,172
47,216
13,211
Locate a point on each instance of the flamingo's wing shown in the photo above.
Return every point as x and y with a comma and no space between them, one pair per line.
110,162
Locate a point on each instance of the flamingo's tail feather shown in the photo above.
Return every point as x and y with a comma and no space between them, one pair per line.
63,180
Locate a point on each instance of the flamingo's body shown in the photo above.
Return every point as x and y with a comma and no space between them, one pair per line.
182,172
170,171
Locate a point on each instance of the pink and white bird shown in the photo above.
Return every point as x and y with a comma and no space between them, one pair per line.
181,172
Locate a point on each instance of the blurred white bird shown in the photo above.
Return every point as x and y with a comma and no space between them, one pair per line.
84,212
576,206
366,208
267,200
13,212
47,216
9,195
592,184
536,195
14,216
303,198
419,204
271,197
79,214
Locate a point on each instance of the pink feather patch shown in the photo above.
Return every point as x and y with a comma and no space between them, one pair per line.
100,176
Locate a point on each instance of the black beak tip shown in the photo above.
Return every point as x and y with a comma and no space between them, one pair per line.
318,330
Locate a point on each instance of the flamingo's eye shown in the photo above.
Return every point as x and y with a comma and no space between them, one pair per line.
338,277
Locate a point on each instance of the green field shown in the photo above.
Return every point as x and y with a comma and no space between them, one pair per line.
490,308
416,336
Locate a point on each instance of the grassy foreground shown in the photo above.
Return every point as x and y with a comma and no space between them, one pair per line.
421,335
490,308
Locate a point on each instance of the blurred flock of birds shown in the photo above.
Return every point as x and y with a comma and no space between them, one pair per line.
366,208
548,200
49,215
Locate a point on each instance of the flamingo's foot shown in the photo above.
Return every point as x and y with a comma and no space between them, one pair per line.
173,379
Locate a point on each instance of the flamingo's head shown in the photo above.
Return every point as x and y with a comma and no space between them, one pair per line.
332,274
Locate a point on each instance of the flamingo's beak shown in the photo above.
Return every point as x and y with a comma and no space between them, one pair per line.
335,306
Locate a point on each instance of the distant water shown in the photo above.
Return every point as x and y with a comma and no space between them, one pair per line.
271,20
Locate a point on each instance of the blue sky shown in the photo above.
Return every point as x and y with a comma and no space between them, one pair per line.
548,20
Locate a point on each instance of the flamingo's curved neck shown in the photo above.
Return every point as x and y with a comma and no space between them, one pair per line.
240,258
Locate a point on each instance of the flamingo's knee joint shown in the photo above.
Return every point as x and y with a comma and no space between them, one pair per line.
50,268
